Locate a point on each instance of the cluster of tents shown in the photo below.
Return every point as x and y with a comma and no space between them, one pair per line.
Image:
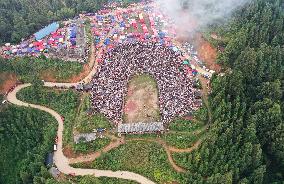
121,21
50,37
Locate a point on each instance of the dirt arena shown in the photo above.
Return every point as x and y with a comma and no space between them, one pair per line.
141,104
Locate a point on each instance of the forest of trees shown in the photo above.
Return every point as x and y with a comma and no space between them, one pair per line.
26,136
246,141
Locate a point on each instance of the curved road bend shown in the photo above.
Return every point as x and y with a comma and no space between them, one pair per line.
60,160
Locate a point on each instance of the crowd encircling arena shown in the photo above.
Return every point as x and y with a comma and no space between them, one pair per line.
175,88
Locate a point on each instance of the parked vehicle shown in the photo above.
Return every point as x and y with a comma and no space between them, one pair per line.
55,147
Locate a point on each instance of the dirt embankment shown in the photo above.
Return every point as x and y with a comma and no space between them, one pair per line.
7,80
80,76
206,52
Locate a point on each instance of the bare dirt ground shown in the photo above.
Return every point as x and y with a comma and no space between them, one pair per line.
7,80
142,100
68,152
206,52
80,76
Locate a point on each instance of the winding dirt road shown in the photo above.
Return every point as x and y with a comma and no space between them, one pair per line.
60,160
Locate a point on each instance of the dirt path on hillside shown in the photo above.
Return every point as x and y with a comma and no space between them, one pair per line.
115,142
205,92
186,150
7,80
206,52
172,162
92,56
169,150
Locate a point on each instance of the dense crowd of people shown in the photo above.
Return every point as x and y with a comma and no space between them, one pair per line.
176,93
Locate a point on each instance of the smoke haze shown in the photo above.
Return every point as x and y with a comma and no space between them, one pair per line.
199,13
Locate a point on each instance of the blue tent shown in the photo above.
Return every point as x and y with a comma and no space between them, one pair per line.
107,41
30,49
73,42
100,18
73,32
46,31
122,24
162,34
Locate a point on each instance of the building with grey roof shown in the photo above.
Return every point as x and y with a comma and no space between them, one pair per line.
140,127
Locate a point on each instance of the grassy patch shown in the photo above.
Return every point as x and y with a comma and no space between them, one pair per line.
182,159
85,123
183,133
93,146
148,159
99,180
183,125
141,136
181,140
141,80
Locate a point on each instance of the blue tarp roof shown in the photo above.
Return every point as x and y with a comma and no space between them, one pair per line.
107,41
73,32
122,24
162,34
46,31
99,17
